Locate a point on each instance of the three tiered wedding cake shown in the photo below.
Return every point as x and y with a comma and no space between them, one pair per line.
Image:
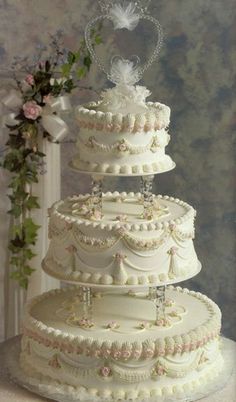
125,332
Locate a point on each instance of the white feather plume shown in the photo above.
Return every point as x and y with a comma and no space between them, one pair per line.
125,16
124,71
125,99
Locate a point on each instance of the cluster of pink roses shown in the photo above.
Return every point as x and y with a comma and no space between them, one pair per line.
32,110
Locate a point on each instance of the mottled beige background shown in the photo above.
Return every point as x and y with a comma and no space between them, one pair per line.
195,75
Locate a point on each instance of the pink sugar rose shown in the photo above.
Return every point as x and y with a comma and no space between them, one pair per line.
126,354
105,371
32,110
137,353
29,79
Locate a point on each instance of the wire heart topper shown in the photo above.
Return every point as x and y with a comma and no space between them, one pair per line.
124,16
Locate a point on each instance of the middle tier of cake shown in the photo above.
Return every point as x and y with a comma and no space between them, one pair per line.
121,247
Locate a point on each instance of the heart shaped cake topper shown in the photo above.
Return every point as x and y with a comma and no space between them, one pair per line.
124,16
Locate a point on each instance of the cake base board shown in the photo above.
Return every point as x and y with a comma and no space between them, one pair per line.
64,393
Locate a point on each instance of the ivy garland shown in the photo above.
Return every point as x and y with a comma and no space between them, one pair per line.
59,74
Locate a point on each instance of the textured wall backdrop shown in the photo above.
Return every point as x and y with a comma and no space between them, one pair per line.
195,77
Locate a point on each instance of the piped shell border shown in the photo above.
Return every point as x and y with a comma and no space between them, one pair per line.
156,118
149,226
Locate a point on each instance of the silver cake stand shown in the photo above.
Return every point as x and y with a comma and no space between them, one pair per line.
11,374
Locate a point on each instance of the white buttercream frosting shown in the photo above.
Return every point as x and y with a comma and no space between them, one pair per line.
123,134
113,358
115,251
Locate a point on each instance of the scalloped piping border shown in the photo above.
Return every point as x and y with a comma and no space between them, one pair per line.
105,279
190,213
132,123
169,345
164,165
166,391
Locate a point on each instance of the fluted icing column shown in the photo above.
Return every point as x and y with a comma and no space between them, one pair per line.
48,189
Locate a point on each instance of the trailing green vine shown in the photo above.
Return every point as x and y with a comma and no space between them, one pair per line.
48,78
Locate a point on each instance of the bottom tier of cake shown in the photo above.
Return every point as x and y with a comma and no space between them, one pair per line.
122,352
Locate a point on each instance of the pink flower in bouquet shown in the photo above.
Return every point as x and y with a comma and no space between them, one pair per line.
41,64
32,110
29,79
47,98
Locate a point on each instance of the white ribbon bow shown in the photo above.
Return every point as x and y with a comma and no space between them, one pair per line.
51,121
9,100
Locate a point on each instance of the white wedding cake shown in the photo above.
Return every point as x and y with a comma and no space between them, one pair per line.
123,332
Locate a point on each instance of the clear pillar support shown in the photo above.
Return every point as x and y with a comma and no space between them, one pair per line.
97,182
87,304
157,295
146,191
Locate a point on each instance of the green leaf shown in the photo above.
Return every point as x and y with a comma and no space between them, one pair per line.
81,72
15,141
23,282
14,261
98,40
27,270
69,85
47,66
17,242
32,202
15,211
28,254
15,275
77,56
40,154
30,231
66,69
71,58
87,62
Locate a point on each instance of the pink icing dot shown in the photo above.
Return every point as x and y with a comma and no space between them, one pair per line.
105,371
97,353
116,354
137,353
148,352
178,348
126,354
186,347
161,352
106,353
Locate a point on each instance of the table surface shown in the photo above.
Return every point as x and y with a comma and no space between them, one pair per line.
11,392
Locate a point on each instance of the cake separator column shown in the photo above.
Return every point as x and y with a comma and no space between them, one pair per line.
146,191
87,303
96,197
157,295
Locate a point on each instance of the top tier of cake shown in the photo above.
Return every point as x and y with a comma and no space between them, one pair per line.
123,143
